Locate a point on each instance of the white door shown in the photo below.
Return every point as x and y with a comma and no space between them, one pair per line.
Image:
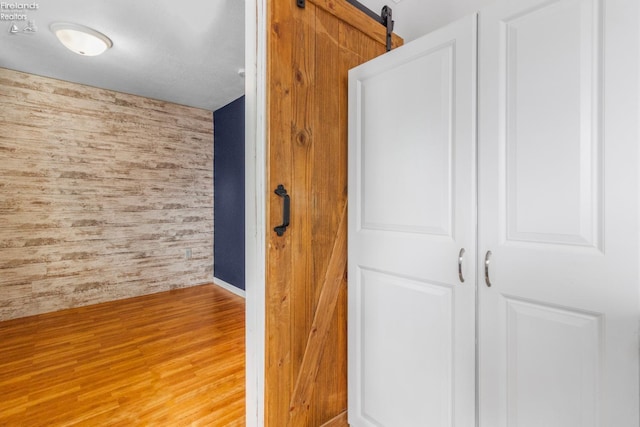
411,211
558,209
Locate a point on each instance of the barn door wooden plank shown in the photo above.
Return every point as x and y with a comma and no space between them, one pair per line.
339,420
278,374
344,11
303,141
324,314
329,199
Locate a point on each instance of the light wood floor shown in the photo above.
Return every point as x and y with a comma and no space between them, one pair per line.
169,359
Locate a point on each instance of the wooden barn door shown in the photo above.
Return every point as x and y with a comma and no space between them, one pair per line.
309,53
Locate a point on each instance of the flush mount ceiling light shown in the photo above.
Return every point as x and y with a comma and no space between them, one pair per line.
80,39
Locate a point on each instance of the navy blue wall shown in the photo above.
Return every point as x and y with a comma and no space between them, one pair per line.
228,193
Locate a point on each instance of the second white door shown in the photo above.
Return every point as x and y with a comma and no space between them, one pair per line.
558,210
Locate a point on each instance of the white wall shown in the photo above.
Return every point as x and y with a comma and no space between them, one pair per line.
415,18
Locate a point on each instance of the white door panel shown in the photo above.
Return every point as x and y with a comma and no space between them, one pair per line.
551,59
553,360
558,195
412,208
391,159
394,394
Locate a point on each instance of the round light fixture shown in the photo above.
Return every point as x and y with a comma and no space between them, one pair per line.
80,39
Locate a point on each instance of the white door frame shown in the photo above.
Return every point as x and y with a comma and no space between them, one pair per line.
255,206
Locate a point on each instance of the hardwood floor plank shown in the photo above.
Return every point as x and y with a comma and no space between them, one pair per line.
173,358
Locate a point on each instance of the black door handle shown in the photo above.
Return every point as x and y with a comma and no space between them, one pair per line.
286,206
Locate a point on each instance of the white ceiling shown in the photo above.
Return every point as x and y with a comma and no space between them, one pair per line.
188,51
415,18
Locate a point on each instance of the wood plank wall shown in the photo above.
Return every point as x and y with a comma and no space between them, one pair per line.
101,195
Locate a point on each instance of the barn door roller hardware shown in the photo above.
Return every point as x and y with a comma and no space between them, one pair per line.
387,21
286,209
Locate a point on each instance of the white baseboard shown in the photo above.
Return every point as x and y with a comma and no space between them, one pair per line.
229,287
